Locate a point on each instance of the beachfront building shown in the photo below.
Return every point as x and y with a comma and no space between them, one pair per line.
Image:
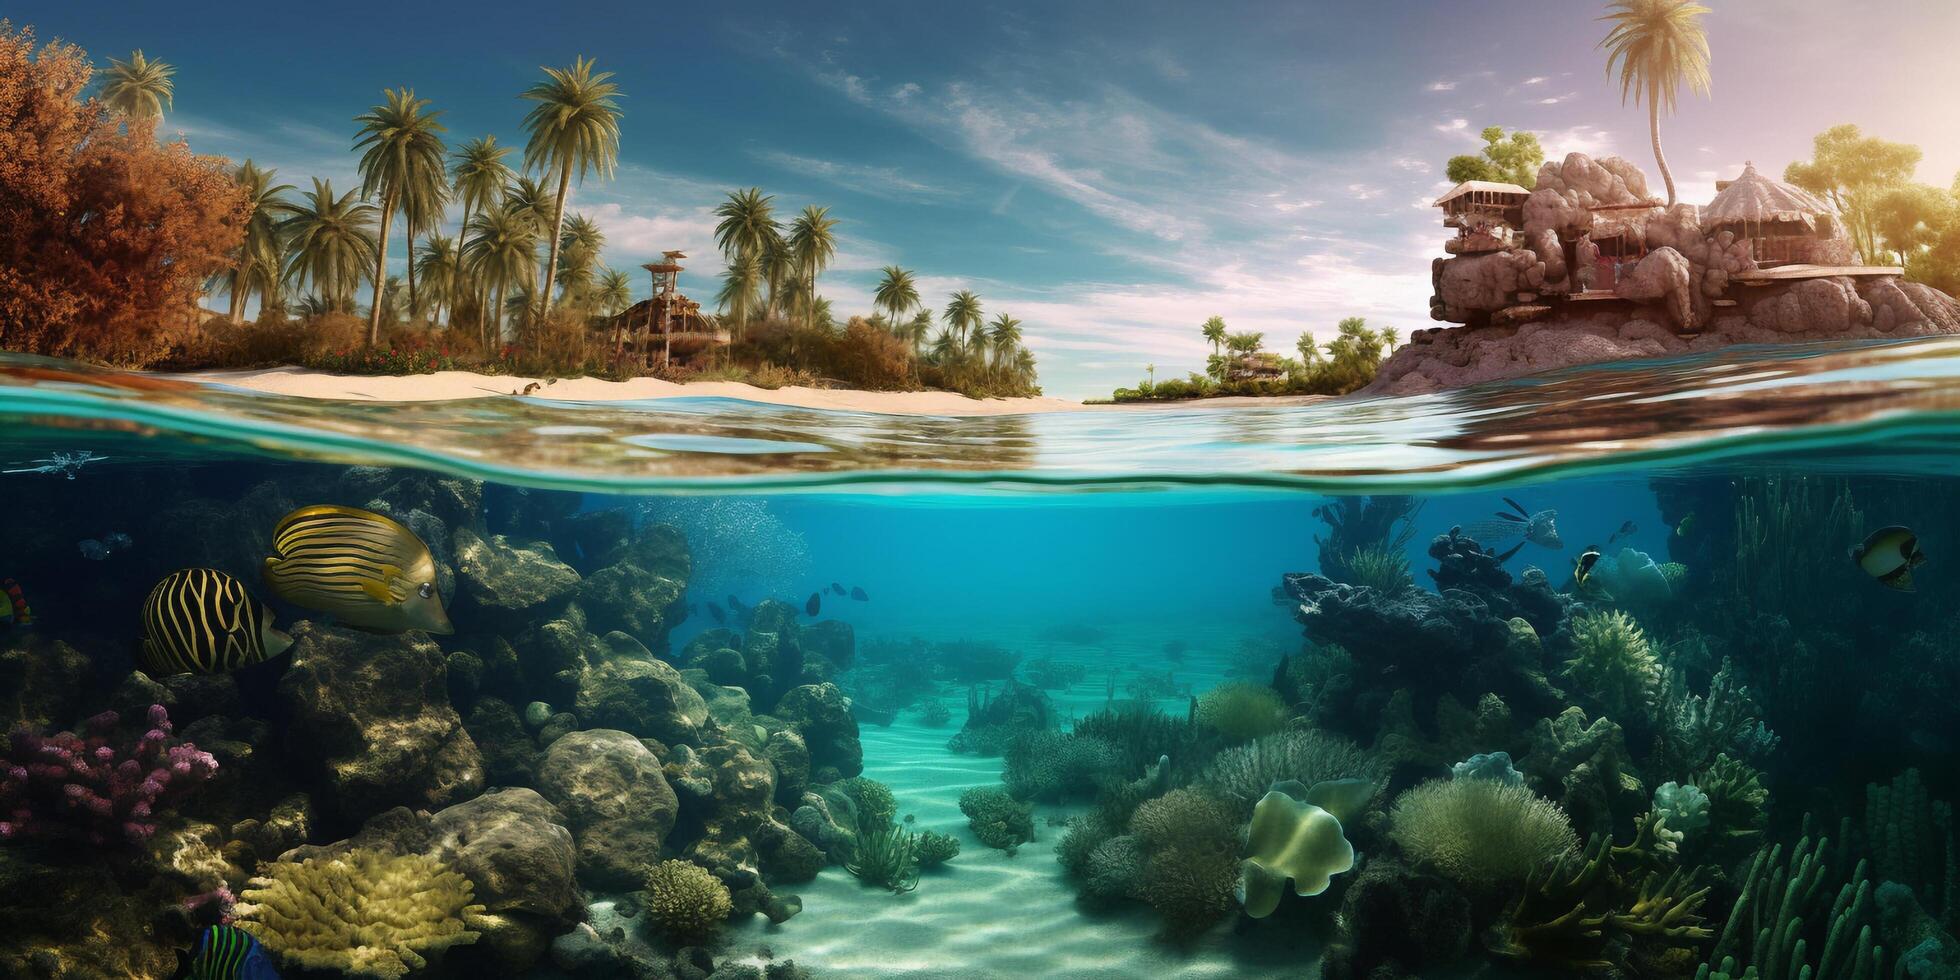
1487,215
1783,225
667,327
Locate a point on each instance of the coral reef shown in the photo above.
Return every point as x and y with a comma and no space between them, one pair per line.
93,786
1242,775
367,914
1241,711
1050,766
1480,833
996,818
1612,663
935,848
684,902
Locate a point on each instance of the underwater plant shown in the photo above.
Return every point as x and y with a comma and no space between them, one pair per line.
935,848
1801,911
935,714
1480,833
1186,818
1612,662
1241,710
1192,887
1356,524
1574,911
887,857
1047,673
1738,805
685,902
1114,869
871,800
1693,729
1152,687
1912,842
1242,774
367,913
92,787
1378,567
1049,765
999,820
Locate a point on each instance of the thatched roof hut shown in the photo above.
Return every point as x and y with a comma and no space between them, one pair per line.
1757,201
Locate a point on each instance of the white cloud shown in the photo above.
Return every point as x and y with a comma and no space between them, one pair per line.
885,182
1453,126
1590,140
1411,164
1536,80
906,91
1442,86
1364,192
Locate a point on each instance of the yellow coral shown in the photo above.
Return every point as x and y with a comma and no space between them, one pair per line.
1241,711
367,913
685,901
1480,832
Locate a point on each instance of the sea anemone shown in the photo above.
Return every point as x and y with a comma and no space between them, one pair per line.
1380,568
1479,832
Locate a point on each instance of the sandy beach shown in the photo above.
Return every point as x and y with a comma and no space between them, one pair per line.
452,385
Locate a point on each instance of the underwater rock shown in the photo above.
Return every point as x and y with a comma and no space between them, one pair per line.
287,825
623,686
1582,766
812,820
453,501
640,588
42,682
790,754
993,720
617,804
510,756
556,727
514,848
536,714
373,713
772,650
832,640
1397,922
181,533
65,919
504,583
821,714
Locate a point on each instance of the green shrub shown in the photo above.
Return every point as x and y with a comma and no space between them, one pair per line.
997,819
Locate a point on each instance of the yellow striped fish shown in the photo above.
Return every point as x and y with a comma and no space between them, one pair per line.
202,621
362,567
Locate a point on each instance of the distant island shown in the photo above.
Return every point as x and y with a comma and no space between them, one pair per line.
116,241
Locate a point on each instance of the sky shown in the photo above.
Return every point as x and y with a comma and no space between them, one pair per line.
1110,173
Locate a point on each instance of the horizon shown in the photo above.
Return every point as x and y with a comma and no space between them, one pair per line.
1112,180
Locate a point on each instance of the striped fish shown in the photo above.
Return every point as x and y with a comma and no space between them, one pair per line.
202,621
229,953
362,567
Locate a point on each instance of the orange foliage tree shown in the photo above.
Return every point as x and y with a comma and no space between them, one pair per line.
106,237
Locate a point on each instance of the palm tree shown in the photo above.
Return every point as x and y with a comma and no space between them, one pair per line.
574,126
812,244
502,249
1658,46
741,287
423,208
963,313
440,270
747,223
945,348
613,293
1006,336
138,88
478,175
401,159
1024,367
779,272
896,293
332,243
917,331
1214,330
1309,351
257,262
580,244
1150,369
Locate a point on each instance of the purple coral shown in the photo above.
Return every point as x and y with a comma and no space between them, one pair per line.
94,786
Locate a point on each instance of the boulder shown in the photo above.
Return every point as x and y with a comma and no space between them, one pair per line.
372,714
822,716
503,582
42,681
617,804
514,847
624,686
1663,276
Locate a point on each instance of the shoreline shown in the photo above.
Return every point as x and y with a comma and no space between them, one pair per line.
297,382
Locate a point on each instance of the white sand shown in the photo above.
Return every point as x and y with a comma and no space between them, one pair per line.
449,385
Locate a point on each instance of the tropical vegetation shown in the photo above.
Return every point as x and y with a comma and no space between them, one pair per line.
1510,159
518,281
1241,365
1657,46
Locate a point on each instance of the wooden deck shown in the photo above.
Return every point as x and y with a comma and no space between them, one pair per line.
1786,272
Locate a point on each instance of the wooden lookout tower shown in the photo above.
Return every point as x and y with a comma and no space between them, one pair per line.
660,313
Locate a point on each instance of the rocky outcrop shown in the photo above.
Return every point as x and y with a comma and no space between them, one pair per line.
822,716
615,800
500,581
623,686
372,714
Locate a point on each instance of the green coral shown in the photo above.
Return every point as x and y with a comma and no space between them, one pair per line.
935,848
1572,910
1183,818
1738,805
1912,842
871,800
888,857
1797,903
685,902
1478,832
1613,662
1378,567
367,913
1241,710
1052,766
998,819
1191,887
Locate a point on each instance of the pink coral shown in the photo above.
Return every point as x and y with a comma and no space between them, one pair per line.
94,786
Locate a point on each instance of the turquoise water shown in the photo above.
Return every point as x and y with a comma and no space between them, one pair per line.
650,664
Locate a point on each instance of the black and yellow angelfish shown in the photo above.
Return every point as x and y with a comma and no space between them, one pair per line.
1583,567
1889,555
202,621
229,953
367,570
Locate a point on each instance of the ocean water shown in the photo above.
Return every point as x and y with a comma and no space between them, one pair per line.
698,635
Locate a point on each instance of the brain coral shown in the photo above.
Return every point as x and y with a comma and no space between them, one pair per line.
366,914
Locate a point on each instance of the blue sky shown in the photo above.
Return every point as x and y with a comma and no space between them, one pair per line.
1111,173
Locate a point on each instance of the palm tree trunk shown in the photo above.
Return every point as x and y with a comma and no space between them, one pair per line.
498,313
1660,159
414,308
238,293
380,269
557,229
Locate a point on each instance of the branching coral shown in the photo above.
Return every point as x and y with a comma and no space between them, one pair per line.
1694,729
1241,710
935,848
1797,903
685,902
1243,774
1480,833
367,913
1049,765
1572,908
1183,818
888,857
1612,661
1912,842
996,818
92,787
